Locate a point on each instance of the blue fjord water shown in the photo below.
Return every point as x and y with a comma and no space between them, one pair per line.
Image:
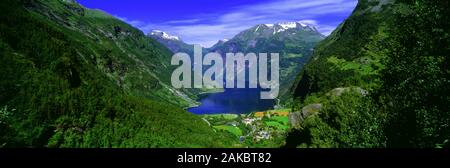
233,101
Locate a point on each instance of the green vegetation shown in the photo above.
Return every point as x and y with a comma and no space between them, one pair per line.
281,110
348,120
417,78
225,116
257,129
72,77
395,57
281,119
234,130
276,125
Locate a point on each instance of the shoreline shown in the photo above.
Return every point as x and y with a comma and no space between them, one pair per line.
203,95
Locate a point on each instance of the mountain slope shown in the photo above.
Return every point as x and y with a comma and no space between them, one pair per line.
294,42
380,79
74,77
174,43
354,42
148,70
344,67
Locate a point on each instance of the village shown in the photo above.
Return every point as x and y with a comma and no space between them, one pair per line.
257,129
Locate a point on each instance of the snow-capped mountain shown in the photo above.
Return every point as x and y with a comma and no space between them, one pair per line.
174,43
163,35
280,27
255,37
285,29
294,41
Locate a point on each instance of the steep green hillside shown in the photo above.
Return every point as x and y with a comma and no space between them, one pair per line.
74,77
352,55
381,79
138,64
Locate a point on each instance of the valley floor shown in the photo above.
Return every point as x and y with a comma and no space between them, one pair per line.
257,129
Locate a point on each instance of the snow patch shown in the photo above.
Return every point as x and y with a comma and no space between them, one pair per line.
288,25
164,35
283,26
257,28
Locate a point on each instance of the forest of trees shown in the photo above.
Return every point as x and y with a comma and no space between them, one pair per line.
57,92
400,56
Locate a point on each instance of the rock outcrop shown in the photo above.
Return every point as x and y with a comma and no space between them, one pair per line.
297,118
340,91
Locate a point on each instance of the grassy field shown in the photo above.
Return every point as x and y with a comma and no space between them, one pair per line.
234,130
222,116
277,125
282,119
280,110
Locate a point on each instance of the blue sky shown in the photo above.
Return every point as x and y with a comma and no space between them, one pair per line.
205,22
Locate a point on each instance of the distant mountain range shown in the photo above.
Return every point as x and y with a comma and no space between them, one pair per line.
294,41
